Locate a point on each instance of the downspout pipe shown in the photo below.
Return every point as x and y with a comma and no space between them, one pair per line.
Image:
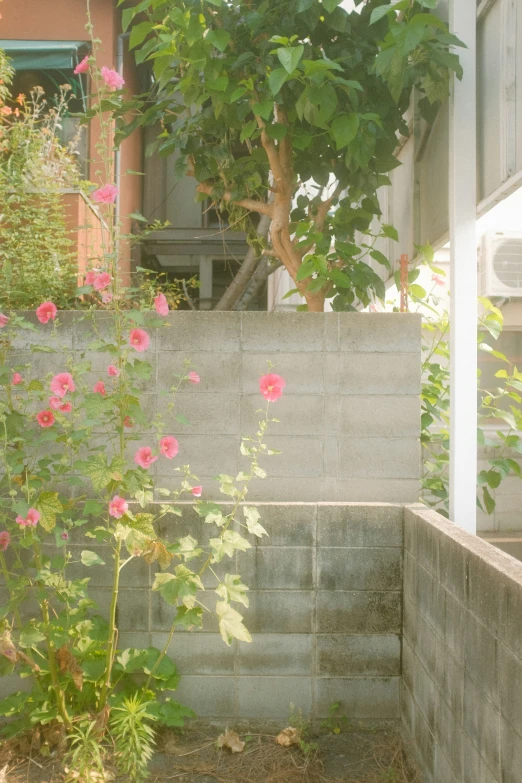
117,153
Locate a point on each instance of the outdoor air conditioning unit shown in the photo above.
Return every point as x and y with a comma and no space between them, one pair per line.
500,268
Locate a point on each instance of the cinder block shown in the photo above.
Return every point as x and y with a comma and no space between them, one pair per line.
331,331
358,612
162,614
288,524
208,696
359,569
208,413
59,338
263,568
379,458
302,377
456,617
481,657
219,371
474,768
482,725
274,332
301,456
448,734
380,332
426,645
280,611
133,610
298,414
444,773
344,655
359,525
511,754
378,416
487,588
276,654
198,653
428,542
425,693
371,373
449,675
431,600
361,698
512,611
408,663
424,745
201,331
377,490
207,455
271,697
510,673
276,489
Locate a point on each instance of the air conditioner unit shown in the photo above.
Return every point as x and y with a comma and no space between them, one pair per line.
501,264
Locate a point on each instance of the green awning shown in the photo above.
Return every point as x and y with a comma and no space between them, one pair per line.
44,55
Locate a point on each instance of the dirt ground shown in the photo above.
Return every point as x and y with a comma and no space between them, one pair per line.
352,756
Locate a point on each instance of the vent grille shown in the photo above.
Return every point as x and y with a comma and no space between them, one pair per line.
507,262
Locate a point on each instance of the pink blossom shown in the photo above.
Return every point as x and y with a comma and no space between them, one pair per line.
127,422
101,281
5,540
90,277
169,446
118,507
64,536
105,195
161,304
194,377
271,386
45,418
144,458
106,297
438,280
55,402
66,407
112,78
62,383
113,371
139,339
197,491
46,312
82,67
4,320
31,520
373,308
17,379
99,388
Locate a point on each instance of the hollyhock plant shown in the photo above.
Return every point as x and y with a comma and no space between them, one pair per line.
161,305
17,379
107,194
4,320
90,277
271,386
113,371
101,281
107,297
46,312
112,78
66,407
55,402
5,540
127,422
144,457
197,491
118,507
169,446
64,536
62,383
194,377
45,418
82,66
99,388
31,520
139,339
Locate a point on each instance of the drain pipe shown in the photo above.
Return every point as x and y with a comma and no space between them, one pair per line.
117,153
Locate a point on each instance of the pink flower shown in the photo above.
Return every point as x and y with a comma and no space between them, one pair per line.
127,422
438,280
161,304
271,386
194,377
105,195
144,458
5,540
66,407
45,418
99,388
169,446
112,78
101,281
55,402
82,67
4,320
90,277
17,379
196,491
139,339
47,311
106,297
31,519
62,383
118,507
113,371
64,536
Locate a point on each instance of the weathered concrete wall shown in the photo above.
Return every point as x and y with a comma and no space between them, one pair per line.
461,697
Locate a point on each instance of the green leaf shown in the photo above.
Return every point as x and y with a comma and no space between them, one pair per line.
138,34
289,57
89,558
380,258
232,589
231,624
488,500
331,5
383,10
182,585
219,38
390,232
247,130
220,84
252,517
30,636
97,469
417,290
170,713
344,129
49,506
276,80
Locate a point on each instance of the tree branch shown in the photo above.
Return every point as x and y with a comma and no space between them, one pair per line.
257,281
247,203
324,206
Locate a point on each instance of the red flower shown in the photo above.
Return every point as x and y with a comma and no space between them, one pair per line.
90,277
127,422
5,540
197,491
101,281
55,402
62,383
144,457
194,377
105,195
161,304
118,507
99,388
139,339
82,67
438,280
66,407
271,386
169,446
46,312
17,379
45,418
113,371
4,320
31,520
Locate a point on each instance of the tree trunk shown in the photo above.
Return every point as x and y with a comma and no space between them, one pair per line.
315,302
263,271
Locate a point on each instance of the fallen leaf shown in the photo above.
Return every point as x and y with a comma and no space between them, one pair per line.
3,774
68,663
288,737
231,741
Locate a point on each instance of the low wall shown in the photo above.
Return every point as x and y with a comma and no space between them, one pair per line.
461,697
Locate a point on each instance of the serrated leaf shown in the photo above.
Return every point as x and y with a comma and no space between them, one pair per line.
231,624
227,545
252,518
49,506
182,585
232,589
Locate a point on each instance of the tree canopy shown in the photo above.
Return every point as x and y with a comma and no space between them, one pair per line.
292,109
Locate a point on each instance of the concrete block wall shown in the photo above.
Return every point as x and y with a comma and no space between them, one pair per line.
349,418
461,695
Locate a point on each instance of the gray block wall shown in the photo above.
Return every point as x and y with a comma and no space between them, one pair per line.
349,417
461,695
